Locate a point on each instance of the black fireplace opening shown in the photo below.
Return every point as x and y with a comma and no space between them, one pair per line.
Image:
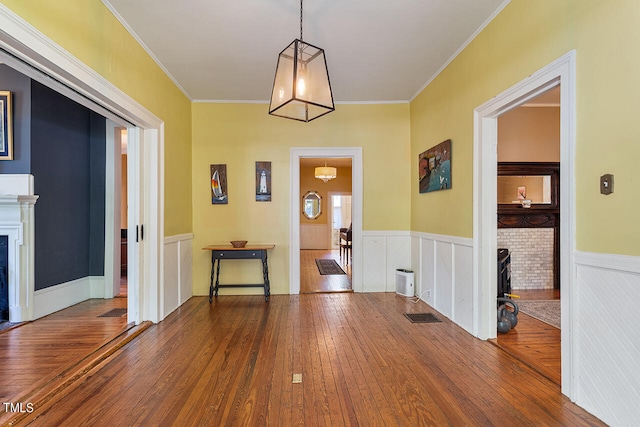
4,278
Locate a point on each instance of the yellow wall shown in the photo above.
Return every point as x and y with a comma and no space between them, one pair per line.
529,134
88,30
526,36
238,135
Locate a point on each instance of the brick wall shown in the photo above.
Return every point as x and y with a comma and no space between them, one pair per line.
531,256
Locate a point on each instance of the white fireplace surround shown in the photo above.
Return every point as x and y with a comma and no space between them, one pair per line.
17,223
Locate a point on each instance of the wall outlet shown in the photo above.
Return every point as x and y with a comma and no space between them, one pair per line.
428,293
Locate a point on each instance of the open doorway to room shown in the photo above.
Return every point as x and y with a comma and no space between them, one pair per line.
298,154
325,242
560,73
529,229
60,72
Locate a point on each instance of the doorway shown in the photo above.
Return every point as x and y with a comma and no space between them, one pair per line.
560,72
355,155
324,263
40,58
529,229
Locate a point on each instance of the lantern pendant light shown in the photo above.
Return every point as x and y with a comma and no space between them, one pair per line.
301,87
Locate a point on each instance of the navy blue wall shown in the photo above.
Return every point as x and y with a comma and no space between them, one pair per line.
68,165
20,87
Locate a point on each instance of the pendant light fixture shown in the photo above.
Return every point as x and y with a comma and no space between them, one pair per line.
301,88
325,173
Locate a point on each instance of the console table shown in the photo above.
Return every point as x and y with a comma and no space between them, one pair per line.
220,252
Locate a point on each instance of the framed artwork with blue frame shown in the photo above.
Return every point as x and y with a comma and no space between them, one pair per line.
434,168
6,131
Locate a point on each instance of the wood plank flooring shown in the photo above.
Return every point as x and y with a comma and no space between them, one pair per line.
36,354
311,281
534,342
362,363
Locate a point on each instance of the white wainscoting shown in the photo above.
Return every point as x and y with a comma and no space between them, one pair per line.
443,268
382,253
607,330
315,236
178,255
177,282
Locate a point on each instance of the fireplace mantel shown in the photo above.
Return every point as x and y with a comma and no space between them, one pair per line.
17,223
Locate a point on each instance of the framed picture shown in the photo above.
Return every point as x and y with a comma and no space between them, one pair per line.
218,175
6,132
434,168
263,181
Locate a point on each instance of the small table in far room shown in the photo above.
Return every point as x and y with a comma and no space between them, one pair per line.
220,252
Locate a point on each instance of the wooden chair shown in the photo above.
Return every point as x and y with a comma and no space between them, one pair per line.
345,243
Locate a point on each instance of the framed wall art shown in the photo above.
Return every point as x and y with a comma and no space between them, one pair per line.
263,181
434,168
6,132
218,175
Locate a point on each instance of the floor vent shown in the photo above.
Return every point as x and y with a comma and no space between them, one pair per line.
422,318
116,312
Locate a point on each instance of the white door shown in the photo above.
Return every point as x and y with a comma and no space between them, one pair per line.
135,229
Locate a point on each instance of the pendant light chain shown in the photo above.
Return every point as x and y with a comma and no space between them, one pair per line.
301,20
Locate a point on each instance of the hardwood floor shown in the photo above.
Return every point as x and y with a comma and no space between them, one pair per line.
362,363
38,357
311,281
534,342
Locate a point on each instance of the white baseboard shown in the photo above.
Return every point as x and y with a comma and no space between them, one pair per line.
55,298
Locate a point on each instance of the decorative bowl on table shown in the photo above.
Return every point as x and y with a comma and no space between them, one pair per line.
238,243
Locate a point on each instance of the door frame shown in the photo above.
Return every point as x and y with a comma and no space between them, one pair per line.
38,57
355,154
560,72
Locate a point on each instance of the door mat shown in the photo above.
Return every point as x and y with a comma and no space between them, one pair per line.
422,318
116,312
328,267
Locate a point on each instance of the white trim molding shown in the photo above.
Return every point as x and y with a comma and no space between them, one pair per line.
17,222
58,297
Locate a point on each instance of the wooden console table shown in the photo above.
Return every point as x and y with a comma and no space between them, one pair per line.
220,252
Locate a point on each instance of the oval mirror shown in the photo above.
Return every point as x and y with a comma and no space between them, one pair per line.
311,205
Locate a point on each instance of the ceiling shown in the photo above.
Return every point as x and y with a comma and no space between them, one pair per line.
376,50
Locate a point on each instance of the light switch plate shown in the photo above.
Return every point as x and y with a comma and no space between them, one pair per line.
606,184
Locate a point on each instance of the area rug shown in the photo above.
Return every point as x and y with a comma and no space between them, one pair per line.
547,311
328,267
7,325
